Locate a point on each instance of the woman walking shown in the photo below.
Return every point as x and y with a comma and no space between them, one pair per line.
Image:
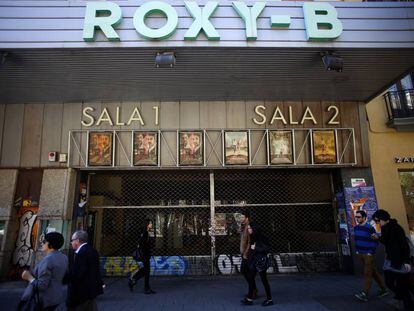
46,278
397,266
145,248
258,262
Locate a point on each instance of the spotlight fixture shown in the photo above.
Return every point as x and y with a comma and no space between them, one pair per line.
332,62
165,60
3,56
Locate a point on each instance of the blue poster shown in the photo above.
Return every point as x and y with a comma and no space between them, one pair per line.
343,226
360,198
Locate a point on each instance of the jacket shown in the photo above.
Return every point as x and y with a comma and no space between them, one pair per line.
48,274
244,241
396,246
85,281
145,244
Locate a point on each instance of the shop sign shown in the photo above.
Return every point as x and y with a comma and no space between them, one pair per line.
321,20
89,119
404,159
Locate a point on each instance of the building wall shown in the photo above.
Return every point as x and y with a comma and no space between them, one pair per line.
60,23
384,145
30,131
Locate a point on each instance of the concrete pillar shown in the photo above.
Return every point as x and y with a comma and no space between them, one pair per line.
56,203
8,179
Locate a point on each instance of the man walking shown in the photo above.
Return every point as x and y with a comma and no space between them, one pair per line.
244,250
365,247
85,281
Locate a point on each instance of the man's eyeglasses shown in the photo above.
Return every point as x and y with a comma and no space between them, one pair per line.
71,240
376,221
358,216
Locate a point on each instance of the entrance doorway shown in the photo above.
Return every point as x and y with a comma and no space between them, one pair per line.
196,217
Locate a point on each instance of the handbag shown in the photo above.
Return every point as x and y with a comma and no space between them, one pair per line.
31,303
137,254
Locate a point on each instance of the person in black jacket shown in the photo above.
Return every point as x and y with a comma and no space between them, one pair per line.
85,282
258,262
397,261
145,247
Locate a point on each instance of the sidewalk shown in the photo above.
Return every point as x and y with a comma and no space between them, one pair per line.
290,292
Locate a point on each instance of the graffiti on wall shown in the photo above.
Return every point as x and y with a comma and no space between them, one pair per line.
224,264
160,265
26,240
284,263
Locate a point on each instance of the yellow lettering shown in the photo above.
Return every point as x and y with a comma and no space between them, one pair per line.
156,108
257,111
117,117
307,115
104,117
136,116
85,113
291,116
278,115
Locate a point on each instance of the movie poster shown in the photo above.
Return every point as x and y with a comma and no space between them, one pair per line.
280,147
100,149
360,198
324,147
145,148
191,148
236,148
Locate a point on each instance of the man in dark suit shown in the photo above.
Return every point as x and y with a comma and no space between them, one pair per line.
85,281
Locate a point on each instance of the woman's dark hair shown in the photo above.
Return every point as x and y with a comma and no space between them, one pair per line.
145,224
257,235
54,239
381,215
246,214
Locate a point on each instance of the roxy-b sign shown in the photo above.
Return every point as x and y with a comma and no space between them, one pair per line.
321,20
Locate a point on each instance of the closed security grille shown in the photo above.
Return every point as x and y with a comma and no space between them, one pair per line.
291,206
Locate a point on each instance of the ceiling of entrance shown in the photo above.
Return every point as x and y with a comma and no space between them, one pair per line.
199,74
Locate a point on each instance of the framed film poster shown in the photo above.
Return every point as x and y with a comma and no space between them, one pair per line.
236,150
145,148
191,148
280,147
324,147
100,149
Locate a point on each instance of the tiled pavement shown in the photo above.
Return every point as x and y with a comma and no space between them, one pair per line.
290,292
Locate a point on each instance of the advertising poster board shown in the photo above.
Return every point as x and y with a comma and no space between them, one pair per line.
360,198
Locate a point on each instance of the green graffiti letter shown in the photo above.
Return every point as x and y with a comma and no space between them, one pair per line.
201,20
323,15
249,16
105,23
155,7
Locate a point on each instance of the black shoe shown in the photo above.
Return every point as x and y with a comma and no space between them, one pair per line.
149,292
131,285
254,296
267,302
247,301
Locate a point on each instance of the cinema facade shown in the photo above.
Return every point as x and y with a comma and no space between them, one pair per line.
94,135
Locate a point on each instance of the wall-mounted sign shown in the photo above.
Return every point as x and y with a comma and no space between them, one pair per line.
358,182
321,20
91,118
404,159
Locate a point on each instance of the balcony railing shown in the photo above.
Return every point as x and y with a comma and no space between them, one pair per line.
400,109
